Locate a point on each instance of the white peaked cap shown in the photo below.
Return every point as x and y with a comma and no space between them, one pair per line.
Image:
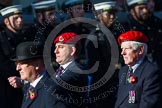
131,2
73,2
44,4
11,10
105,6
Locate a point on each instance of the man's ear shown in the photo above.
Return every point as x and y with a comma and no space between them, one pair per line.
6,21
73,51
141,50
99,17
132,11
40,17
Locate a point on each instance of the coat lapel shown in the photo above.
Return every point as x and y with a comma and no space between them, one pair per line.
125,88
29,101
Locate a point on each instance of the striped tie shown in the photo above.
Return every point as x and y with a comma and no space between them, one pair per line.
129,73
59,71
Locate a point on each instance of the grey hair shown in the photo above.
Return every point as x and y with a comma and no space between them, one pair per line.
136,45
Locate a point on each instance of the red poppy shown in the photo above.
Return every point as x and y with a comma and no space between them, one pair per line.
131,79
32,95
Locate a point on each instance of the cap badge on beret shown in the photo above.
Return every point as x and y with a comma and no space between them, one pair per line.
67,38
61,38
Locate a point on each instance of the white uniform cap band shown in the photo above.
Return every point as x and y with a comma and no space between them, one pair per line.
73,2
44,4
131,2
104,6
11,9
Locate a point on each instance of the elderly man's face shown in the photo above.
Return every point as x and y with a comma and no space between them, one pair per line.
64,53
130,55
27,69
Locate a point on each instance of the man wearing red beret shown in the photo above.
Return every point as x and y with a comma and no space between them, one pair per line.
139,83
66,50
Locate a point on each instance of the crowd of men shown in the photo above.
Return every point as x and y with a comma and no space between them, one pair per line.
67,59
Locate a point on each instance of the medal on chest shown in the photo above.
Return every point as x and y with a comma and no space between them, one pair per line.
132,96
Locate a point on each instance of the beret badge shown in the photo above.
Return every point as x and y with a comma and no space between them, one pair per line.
61,38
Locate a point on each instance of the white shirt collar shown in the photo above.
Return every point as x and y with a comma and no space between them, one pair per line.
37,80
66,65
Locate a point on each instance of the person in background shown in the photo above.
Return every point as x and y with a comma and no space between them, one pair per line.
151,6
75,9
105,13
10,37
120,5
139,80
29,63
45,19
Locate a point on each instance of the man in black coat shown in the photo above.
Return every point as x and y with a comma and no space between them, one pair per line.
139,80
45,19
29,63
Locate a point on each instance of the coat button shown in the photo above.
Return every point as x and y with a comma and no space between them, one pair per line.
148,28
134,27
13,48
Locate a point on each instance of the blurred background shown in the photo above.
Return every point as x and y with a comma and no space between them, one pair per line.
121,6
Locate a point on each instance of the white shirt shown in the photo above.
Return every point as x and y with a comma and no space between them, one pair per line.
66,65
37,80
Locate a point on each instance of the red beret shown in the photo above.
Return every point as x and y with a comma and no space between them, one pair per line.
132,35
67,37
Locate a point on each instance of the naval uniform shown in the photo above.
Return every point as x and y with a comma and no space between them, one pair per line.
10,97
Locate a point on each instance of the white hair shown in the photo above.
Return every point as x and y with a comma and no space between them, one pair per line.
136,45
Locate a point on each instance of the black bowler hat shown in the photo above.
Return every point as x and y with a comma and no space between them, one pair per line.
28,50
